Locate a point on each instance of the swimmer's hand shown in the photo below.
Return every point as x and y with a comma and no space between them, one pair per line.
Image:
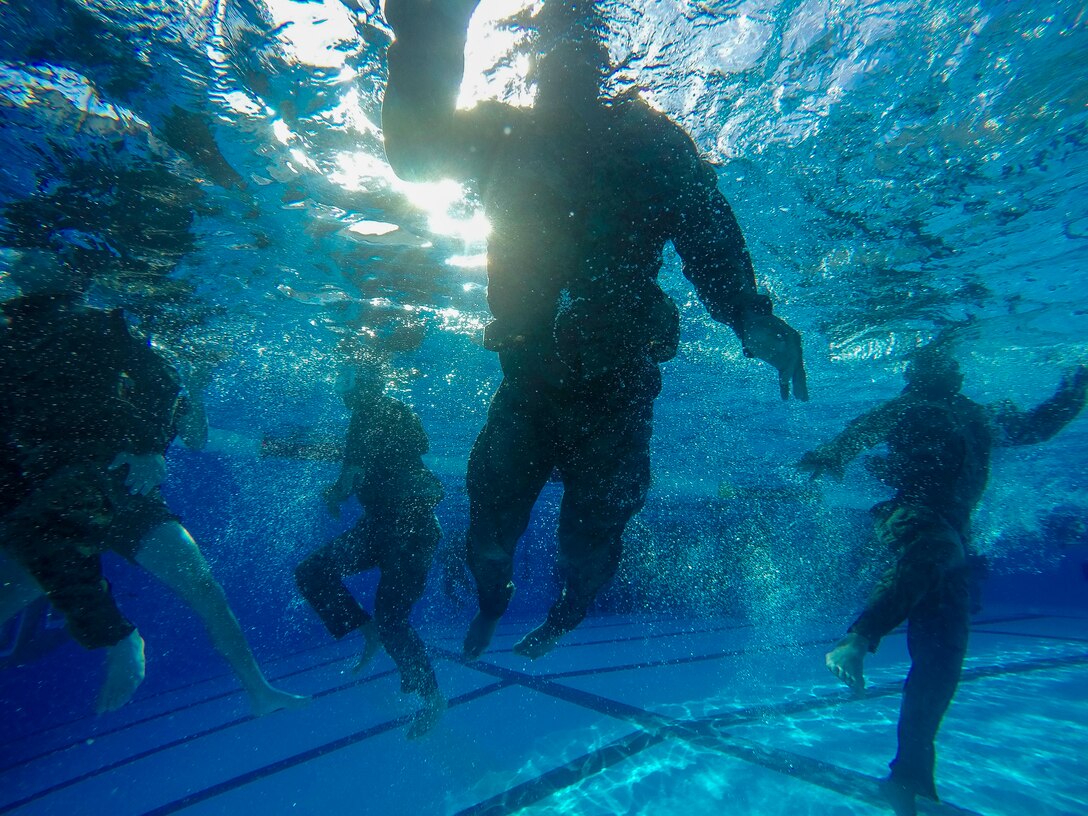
146,471
819,461
124,673
774,341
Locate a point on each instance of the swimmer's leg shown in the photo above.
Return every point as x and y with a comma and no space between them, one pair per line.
846,661
170,554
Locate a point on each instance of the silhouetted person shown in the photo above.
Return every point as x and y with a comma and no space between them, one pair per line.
582,194
938,462
397,535
87,411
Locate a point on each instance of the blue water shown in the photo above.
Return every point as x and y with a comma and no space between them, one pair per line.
899,169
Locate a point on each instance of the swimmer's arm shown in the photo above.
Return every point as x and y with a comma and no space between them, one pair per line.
155,386
716,260
1015,427
426,137
866,431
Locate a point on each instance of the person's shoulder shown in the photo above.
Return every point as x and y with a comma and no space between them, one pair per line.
494,117
641,119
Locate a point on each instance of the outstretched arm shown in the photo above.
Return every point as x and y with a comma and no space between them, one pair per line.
864,432
426,66
1018,427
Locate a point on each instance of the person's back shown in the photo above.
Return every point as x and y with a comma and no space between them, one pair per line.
939,455
385,442
75,384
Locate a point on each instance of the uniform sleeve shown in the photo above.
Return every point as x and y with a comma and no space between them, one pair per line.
1014,427
868,430
426,138
708,238
155,386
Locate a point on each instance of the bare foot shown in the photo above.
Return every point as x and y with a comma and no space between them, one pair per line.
434,706
370,648
538,642
269,699
124,673
847,659
480,632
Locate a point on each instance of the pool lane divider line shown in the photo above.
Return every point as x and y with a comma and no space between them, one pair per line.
847,783
170,712
228,675
307,756
445,653
648,722
542,683
175,743
705,732
1034,635
325,663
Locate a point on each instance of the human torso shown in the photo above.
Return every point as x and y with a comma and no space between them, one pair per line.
64,387
578,206
386,442
939,455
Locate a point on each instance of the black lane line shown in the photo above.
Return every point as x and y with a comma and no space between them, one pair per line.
566,775
653,724
1037,636
447,654
194,703
175,743
307,756
96,735
228,674
677,661
287,675
175,690
706,733
632,638
826,775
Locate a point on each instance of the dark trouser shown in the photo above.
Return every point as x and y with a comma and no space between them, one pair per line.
927,587
600,443
401,546
58,527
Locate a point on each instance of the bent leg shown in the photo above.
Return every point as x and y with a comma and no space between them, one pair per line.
320,580
412,543
170,554
928,549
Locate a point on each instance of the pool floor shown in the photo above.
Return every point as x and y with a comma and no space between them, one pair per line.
628,716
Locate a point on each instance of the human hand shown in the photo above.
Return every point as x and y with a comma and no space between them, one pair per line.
124,673
146,471
817,462
772,340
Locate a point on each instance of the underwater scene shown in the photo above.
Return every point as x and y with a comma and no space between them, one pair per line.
543,406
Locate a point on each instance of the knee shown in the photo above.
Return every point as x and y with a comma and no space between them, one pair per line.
310,574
